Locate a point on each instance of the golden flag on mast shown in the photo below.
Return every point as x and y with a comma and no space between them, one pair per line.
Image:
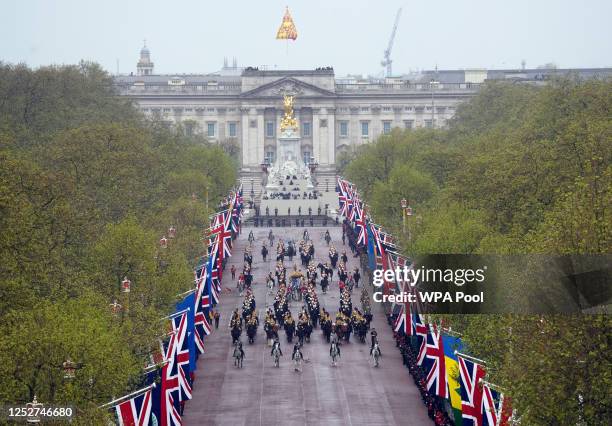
287,29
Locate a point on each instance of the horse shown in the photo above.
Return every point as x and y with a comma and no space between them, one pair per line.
289,330
301,332
334,353
297,360
236,332
276,355
308,332
251,332
326,327
238,356
362,330
375,354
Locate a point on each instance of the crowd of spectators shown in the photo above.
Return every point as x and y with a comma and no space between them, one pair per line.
434,404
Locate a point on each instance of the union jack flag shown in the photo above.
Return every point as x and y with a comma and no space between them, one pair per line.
237,210
421,331
213,278
343,210
496,410
221,235
202,309
179,325
170,389
434,356
136,411
401,322
359,219
470,375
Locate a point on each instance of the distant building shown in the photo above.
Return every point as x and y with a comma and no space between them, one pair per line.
334,113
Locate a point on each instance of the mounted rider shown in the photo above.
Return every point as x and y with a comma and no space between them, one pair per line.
374,337
297,352
276,345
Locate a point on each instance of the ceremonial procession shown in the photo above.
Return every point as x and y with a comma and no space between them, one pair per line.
326,213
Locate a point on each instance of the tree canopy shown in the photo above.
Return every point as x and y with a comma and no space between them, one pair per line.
520,169
88,186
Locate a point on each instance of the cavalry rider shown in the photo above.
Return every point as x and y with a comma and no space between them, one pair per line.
374,336
276,345
296,350
239,346
236,320
331,346
333,337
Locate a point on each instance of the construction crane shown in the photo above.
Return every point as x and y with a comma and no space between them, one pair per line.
386,62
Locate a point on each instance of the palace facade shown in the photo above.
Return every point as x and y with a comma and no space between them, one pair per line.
334,114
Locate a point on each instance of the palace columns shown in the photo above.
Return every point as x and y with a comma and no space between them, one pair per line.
316,135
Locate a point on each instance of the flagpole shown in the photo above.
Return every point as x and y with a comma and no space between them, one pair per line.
188,292
215,214
471,358
451,332
492,385
135,393
176,314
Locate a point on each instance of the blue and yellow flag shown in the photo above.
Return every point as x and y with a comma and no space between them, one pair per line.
452,344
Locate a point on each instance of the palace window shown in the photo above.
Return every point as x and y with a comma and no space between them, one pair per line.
386,127
407,108
306,157
387,109
211,127
231,129
344,129
269,156
365,129
408,124
269,129
189,127
306,129
210,109
429,124
365,109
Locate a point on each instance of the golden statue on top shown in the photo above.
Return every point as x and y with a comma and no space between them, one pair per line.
288,121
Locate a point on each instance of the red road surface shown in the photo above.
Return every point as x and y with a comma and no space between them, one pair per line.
352,393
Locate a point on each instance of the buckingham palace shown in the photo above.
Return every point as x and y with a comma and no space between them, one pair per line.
333,113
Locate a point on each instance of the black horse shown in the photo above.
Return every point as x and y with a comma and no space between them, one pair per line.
326,327
361,329
236,331
251,332
290,330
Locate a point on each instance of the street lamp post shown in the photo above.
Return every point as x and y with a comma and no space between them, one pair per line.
404,204
406,211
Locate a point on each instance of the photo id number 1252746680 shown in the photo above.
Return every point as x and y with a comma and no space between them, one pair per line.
36,412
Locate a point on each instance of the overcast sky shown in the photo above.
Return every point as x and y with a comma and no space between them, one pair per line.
193,36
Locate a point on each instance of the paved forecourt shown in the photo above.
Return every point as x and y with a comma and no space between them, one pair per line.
352,393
